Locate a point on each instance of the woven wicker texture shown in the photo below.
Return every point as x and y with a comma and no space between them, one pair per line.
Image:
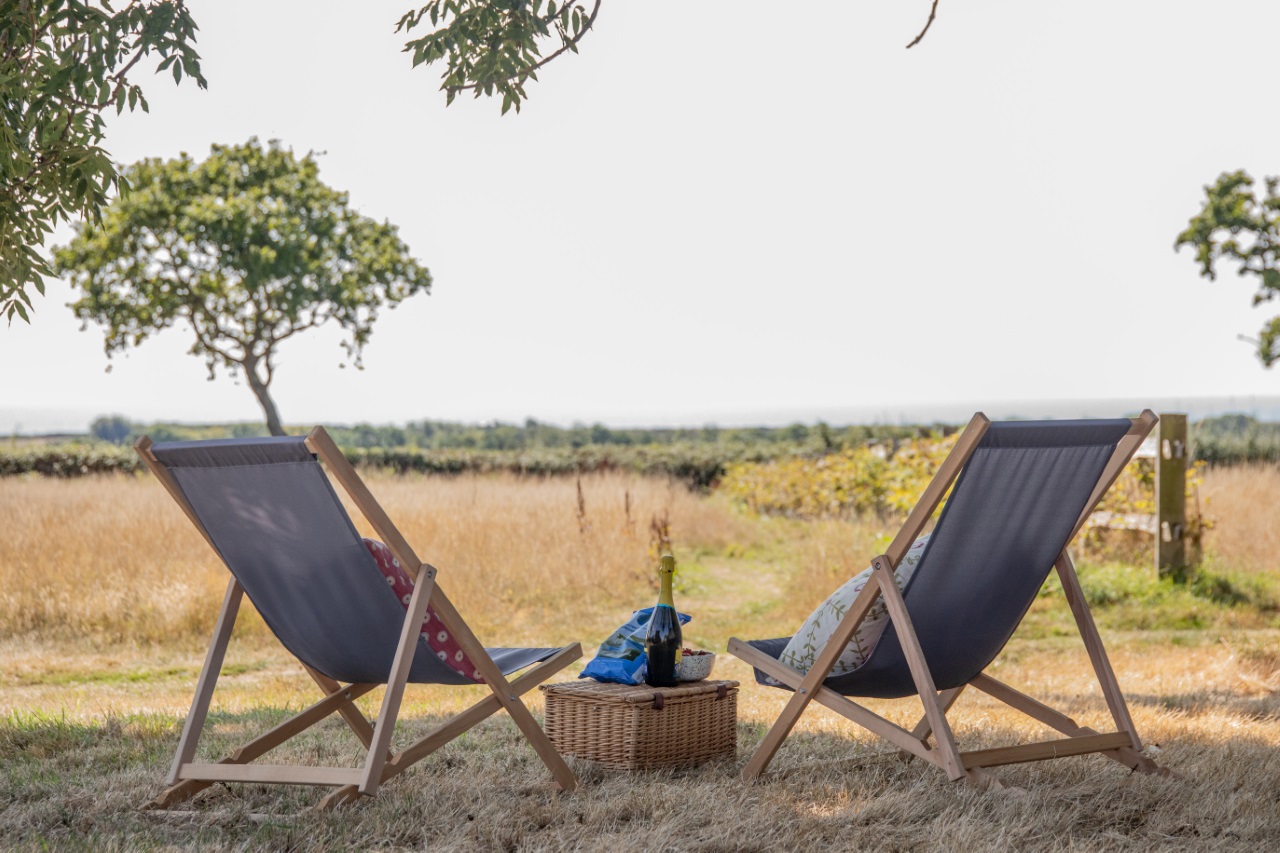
643,728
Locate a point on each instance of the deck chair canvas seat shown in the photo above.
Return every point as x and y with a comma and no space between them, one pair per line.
1022,490
268,509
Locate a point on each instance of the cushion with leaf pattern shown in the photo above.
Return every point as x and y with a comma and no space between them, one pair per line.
803,649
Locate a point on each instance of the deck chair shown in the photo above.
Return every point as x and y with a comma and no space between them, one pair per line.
268,510
1022,491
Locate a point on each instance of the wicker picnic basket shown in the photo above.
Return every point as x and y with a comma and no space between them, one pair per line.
643,728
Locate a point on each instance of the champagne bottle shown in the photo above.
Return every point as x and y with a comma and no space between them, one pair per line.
664,642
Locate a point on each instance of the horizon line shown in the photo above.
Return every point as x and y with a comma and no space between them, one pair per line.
1263,408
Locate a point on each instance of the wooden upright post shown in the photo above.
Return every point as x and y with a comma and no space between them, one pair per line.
1171,497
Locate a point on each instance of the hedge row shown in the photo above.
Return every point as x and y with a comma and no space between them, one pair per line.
698,466
1236,450
68,460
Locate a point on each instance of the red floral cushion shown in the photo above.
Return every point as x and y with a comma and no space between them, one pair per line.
433,630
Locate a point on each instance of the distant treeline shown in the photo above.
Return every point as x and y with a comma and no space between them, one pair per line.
696,457
532,435
1235,439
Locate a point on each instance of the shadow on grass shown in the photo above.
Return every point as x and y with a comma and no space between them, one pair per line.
1213,702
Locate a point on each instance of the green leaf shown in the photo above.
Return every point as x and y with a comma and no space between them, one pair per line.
55,99
490,46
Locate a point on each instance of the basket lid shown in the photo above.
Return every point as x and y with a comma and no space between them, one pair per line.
638,694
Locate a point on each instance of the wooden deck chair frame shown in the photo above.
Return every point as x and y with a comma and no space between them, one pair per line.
1122,745
187,778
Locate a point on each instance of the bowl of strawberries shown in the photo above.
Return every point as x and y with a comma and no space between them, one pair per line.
695,664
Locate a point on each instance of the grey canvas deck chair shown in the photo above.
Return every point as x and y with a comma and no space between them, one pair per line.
1022,490
268,510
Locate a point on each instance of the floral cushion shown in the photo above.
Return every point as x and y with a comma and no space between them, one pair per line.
804,647
433,630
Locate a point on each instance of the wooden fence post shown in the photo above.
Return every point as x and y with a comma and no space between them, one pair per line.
1171,497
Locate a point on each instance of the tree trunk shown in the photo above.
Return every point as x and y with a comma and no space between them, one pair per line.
264,397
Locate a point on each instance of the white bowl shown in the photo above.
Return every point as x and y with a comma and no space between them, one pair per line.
695,667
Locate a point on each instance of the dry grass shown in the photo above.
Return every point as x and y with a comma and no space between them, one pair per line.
525,566
1244,505
114,559
110,558
829,553
73,778
100,577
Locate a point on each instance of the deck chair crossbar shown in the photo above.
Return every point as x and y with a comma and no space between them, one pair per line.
1122,745
188,777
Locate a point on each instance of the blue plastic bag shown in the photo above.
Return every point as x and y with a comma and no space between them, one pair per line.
621,658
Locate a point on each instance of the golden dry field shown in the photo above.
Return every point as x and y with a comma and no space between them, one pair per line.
107,596
1244,504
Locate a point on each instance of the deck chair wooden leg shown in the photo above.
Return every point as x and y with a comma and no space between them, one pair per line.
408,646
192,728
777,733
1061,722
355,720
811,683
921,732
194,724
455,726
872,722
268,741
1097,654
828,698
933,711
497,682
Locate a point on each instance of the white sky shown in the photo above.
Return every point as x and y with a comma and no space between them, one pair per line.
734,211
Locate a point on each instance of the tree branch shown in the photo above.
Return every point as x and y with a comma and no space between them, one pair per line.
119,75
927,24
292,330
208,343
568,45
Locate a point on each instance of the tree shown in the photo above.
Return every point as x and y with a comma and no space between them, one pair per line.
1237,226
113,428
248,248
63,63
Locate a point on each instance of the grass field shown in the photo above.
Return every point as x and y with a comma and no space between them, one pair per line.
108,597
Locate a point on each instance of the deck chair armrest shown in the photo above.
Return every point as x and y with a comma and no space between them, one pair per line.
767,664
